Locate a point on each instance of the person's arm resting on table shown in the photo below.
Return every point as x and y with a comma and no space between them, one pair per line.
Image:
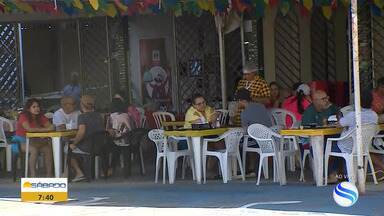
46,127
79,136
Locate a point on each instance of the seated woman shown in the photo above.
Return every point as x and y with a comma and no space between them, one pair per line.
298,103
89,122
199,112
276,98
32,120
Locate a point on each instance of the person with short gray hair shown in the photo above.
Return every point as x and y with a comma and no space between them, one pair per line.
256,85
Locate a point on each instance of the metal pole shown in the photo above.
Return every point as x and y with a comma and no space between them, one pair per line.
356,81
108,59
222,63
175,81
79,52
349,59
242,40
372,53
20,37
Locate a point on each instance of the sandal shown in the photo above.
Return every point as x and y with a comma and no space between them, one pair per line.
78,178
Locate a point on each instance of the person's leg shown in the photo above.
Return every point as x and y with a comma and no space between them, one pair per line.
46,148
33,151
75,165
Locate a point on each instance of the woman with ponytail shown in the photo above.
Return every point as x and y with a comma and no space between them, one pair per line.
298,103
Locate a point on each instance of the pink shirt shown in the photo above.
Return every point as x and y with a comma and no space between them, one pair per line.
290,104
20,130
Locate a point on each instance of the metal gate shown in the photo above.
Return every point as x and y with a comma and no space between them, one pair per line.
96,78
233,60
365,49
378,46
287,48
322,47
10,79
197,59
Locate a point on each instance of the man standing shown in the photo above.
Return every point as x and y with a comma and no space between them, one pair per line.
73,89
66,114
256,85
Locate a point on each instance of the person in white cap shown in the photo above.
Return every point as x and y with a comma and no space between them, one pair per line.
298,103
256,85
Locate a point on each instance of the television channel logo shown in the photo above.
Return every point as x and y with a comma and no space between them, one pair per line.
345,194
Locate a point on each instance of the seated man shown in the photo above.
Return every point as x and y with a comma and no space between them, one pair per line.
253,113
319,111
199,112
89,123
368,116
66,115
317,114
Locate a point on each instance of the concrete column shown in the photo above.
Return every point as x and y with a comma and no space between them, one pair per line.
269,44
305,48
341,45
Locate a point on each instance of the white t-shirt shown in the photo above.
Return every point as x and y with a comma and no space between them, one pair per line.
60,118
368,116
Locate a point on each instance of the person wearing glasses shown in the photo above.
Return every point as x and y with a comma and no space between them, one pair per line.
66,116
199,112
319,111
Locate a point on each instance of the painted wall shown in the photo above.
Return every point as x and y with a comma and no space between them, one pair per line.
147,27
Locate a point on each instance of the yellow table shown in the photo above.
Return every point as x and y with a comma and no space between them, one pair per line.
316,136
196,138
56,146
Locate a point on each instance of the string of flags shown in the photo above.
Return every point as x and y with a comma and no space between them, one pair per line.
115,8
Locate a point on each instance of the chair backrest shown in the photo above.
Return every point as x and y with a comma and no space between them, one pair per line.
3,138
279,117
162,116
345,110
368,132
223,116
157,136
232,139
263,136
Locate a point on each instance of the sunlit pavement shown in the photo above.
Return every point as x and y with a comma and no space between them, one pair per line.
144,197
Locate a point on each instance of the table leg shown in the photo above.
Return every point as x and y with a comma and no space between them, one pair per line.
8,155
26,156
56,150
280,165
317,143
196,143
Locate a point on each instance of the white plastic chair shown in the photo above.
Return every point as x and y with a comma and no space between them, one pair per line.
250,147
266,139
232,141
223,116
345,110
168,156
162,116
279,117
370,130
4,142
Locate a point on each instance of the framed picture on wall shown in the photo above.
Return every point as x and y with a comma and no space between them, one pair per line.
195,67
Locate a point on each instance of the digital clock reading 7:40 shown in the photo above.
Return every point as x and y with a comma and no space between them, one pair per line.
46,197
